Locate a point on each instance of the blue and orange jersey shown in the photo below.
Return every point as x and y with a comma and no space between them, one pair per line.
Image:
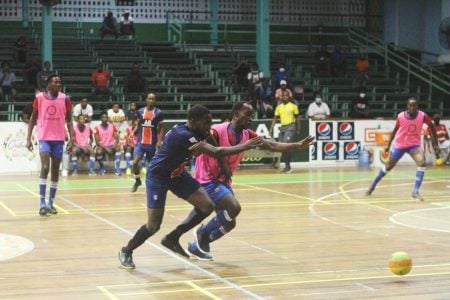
170,160
149,121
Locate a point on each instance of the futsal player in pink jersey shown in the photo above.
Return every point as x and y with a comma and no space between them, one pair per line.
107,143
83,145
407,139
51,111
215,176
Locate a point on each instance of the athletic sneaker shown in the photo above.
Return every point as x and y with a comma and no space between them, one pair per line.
92,173
126,260
286,170
135,186
201,255
52,210
117,173
43,211
101,172
202,241
417,196
74,173
128,172
174,245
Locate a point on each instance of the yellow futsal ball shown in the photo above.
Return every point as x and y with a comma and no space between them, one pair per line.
439,162
400,263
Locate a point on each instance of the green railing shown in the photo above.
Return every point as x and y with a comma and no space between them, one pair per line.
434,79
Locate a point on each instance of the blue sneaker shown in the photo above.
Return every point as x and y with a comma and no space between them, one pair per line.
200,255
117,173
101,172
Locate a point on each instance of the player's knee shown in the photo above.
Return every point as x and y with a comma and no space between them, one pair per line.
234,210
230,225
45,168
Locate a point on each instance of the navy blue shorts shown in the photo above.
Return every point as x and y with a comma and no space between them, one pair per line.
217,190
55,148
157,187
397,153
140,149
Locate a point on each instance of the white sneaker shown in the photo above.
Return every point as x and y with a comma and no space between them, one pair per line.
64,173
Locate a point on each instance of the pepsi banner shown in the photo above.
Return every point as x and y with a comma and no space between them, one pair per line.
313,151
351,150
330,151
324,131
346,131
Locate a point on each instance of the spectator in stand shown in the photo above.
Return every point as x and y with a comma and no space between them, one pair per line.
41,76
281,75
126,24
337,63
7,81
21,50
283,92
360,105
254,77
131,114
109,26
116,115
442,137
100,81
83,109
264,100
32,68
322,59
240,71
362,70
318,110
134,81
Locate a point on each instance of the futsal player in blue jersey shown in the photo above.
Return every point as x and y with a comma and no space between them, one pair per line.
166,171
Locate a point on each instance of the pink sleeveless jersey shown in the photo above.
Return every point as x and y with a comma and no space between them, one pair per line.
82,138
409,130
51,116
207,167
106,135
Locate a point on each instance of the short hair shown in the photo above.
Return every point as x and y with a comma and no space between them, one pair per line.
103,113
5,62
317,93
50,77
238,106
198,112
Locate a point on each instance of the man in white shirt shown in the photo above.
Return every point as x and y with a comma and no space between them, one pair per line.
116,115
83,109
318,110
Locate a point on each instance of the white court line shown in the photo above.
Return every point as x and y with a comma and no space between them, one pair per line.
415,211
182,260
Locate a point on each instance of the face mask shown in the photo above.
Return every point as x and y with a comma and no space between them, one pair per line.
282,70
362,95
318,100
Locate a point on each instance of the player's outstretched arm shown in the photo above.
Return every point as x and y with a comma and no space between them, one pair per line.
205,148
285,147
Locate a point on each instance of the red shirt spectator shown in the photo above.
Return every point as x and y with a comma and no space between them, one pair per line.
100,77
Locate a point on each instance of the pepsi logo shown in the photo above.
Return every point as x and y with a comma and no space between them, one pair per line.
330,149
313,149
351,149
324,129
345,129
384,156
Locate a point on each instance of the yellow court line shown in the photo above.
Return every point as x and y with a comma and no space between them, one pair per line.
38,196
202,290
276,192
12,213
107,293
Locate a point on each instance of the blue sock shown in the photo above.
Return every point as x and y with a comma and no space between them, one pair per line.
91,163
381,173
75,163
128,159
53,188
42,188
419,177
214,228
117,162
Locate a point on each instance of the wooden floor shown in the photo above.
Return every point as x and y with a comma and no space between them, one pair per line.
312,234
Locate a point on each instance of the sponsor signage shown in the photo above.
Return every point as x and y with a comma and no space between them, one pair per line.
324,131
330,151
351,150
313,151
346,131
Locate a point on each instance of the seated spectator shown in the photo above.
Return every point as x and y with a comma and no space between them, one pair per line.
318,110
21,50
134,81
264,101
126,24
131,114
7,81
32,68
322,61
442,137
281,74
100,81
109,26
116,115
254,78
360,105
41,77
240,71
83,109
362,71
337,63
283,92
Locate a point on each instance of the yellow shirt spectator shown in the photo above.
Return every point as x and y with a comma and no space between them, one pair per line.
287,112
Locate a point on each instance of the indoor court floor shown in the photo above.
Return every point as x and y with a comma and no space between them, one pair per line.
312,234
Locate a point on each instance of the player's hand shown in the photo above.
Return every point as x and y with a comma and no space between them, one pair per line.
254,142
69,146
30,145
197,148
306,142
